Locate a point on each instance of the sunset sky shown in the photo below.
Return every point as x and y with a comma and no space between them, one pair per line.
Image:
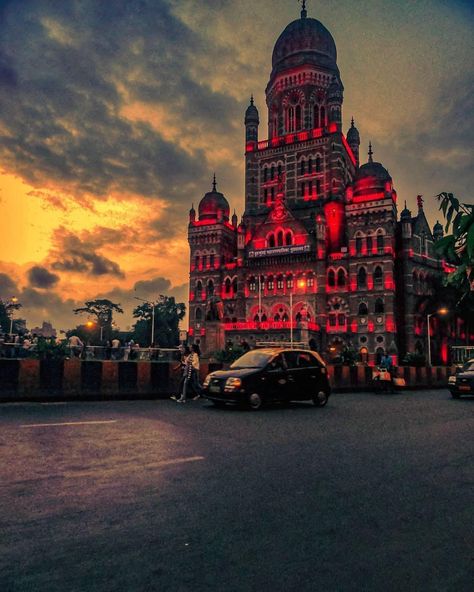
115,114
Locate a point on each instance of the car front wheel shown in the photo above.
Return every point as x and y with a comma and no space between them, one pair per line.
255,401
320,399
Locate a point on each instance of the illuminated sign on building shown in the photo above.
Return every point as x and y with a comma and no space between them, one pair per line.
290,250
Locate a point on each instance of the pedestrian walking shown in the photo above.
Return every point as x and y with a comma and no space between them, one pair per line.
183,368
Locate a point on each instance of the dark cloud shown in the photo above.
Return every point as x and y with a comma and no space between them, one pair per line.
40,277
81,65
8,287
73,254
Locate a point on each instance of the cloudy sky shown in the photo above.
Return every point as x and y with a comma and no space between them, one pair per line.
114,115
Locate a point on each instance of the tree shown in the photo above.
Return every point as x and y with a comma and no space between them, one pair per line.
7,307
102,310
168,313
457,248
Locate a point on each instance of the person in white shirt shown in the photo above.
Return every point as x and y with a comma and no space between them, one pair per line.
76,345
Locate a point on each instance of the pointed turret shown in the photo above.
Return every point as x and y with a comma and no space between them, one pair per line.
353,139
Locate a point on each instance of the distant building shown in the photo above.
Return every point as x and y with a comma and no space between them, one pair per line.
320,253
46,330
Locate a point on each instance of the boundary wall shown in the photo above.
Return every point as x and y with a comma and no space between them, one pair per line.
36,380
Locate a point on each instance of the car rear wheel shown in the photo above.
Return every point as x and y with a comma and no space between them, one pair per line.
320,399
255,401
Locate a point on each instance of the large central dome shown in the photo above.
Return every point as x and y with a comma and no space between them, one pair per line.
304,41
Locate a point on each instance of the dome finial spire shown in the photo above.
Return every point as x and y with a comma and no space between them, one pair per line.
251,99
370,152
352,122
214,182
304,13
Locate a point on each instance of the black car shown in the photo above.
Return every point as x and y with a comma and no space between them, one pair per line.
462,383
263,376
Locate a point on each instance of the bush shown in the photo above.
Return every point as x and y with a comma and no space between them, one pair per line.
228,355
414,359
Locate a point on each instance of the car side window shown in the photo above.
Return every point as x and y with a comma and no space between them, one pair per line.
305,360
276,364
291,359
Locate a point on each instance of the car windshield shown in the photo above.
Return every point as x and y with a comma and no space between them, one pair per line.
252,359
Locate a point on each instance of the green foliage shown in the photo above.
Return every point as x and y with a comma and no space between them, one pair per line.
7,308
414,359
348,357
229,354
457,248
49,349
168,314
102,310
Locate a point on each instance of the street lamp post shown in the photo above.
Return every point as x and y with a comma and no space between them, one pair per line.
299,284
152,304
441,311
13,300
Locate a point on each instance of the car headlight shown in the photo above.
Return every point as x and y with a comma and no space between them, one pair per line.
207,380
452,380
232,384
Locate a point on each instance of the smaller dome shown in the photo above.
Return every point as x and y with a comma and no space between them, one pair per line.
438,226
353,136
405,213
251,114
375,170
214,205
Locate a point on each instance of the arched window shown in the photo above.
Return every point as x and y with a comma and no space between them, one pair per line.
310,165
270,283
280,282
265,174
227,286
196,261
303,188
198,314
289,281
288,238
298,317
280,238
252,284
380,243
210,288
378,277
298,117
272,172
331,278
276,317
234,286
264,318
310,280
369,244
316,122
362,278
285,318
302,166
290,127
341,278
271,240
279,169
318,164
363,310
358,245
379,306
198,290
322,117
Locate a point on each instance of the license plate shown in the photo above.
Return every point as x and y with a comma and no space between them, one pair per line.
464,387
214,388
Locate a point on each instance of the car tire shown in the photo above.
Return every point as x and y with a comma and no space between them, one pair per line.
321,398
255,401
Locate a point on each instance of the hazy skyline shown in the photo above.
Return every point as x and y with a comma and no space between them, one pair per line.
114,116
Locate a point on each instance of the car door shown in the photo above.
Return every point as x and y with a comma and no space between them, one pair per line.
299,365
274,379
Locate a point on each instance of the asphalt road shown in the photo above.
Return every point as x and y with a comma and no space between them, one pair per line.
371,493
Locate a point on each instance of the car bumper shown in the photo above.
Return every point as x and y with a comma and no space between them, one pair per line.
234,398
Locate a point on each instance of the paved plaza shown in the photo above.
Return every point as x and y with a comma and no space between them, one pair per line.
371,493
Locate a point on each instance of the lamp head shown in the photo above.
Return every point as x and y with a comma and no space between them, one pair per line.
443,311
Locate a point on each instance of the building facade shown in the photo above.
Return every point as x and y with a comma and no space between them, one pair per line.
320,254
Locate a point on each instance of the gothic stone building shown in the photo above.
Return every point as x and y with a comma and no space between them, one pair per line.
320,253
